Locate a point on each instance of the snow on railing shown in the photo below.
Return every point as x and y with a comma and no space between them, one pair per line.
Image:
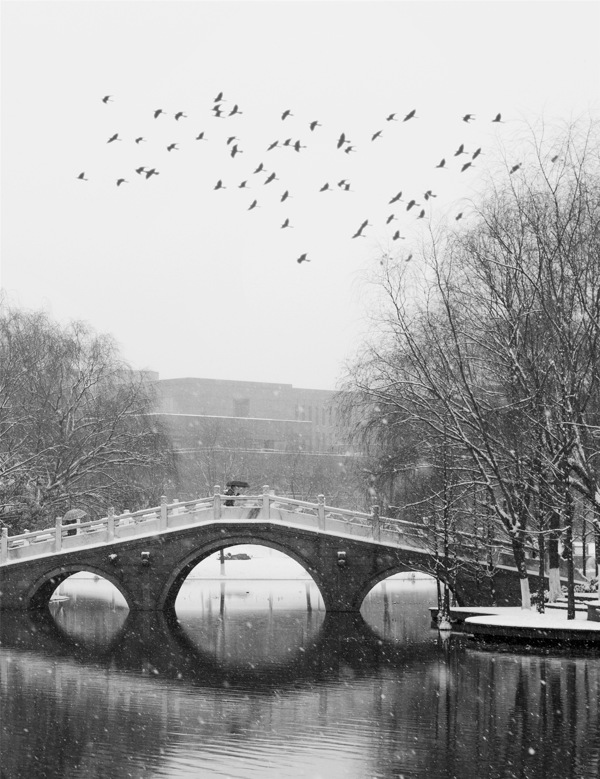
176,515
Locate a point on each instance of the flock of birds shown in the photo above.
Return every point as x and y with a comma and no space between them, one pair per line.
343,145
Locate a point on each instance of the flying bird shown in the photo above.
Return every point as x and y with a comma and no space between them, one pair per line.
152,172
82,176
460,150
497,118
409,258
358,233
242,185
217,111
286,224
298,146
348,149
107,99
466,166
429,194
158,112
395,199
459,216
172,146
218,98
342,140
376,135
303,258
411,204
390,218
441,164
140,170
391,118
180,115
324,187
314,124
285,196
219,185
235,150
235,110
231,139
140,139
273,145
476,153
200,136
422,214
468,117
121,181
396,236
270,178
253,205
554,158
260,168
285,114
410,115
515,168
114,137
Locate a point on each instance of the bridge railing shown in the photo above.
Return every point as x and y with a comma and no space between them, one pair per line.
176,515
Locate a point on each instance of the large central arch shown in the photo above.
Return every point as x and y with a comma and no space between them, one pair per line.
168,595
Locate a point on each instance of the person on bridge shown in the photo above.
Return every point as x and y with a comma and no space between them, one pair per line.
230,491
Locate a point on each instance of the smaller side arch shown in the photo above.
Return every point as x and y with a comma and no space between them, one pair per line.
39,594
381,576
168,595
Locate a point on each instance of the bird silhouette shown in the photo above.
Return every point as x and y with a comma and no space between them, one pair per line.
342,183
395,199
466,166
298,146
342,140
158,112
391,118
200,136
121,181
235,150
422,214
140,170
358,233
441,164
271,177
231,139
172,147
476,153
253,205
218,98
152,172
460,150
409,258
273,145
216,109
376,135
286,224
411,204
260,168
242,185
390,218
410,115
314,125
285,114
219,185
180,115
324,187
107,99
458,216
114,137
82,176
497,118
396,236
429,194
515,168
140,139
285,196
302,258
235,110
553,159
468,117
287,142
348,149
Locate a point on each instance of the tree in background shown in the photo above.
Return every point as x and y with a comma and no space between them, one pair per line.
74,424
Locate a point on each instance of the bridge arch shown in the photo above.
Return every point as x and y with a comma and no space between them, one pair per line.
381,576
182,569
40,592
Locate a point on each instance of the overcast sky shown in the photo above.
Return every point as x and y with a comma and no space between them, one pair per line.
191,280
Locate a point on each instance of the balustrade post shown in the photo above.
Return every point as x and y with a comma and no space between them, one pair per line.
4,545
163,522
58,534
266,502
376,523
110,524
321,511
217,501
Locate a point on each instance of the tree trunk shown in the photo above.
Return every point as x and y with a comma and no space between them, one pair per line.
542,574
554,559
519,555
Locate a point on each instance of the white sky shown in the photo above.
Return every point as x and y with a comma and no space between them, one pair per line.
188,280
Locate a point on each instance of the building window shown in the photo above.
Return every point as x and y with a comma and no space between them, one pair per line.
241,407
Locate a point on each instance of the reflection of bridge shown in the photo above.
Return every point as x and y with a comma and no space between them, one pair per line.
148,554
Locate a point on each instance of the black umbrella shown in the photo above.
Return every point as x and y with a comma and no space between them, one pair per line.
235,483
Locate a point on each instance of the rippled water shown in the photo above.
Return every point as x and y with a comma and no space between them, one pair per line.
252,684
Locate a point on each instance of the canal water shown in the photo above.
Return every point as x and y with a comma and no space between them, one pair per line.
255,681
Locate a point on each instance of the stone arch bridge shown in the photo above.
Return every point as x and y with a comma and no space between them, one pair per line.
148,554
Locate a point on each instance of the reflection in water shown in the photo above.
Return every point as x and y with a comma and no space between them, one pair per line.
240,691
